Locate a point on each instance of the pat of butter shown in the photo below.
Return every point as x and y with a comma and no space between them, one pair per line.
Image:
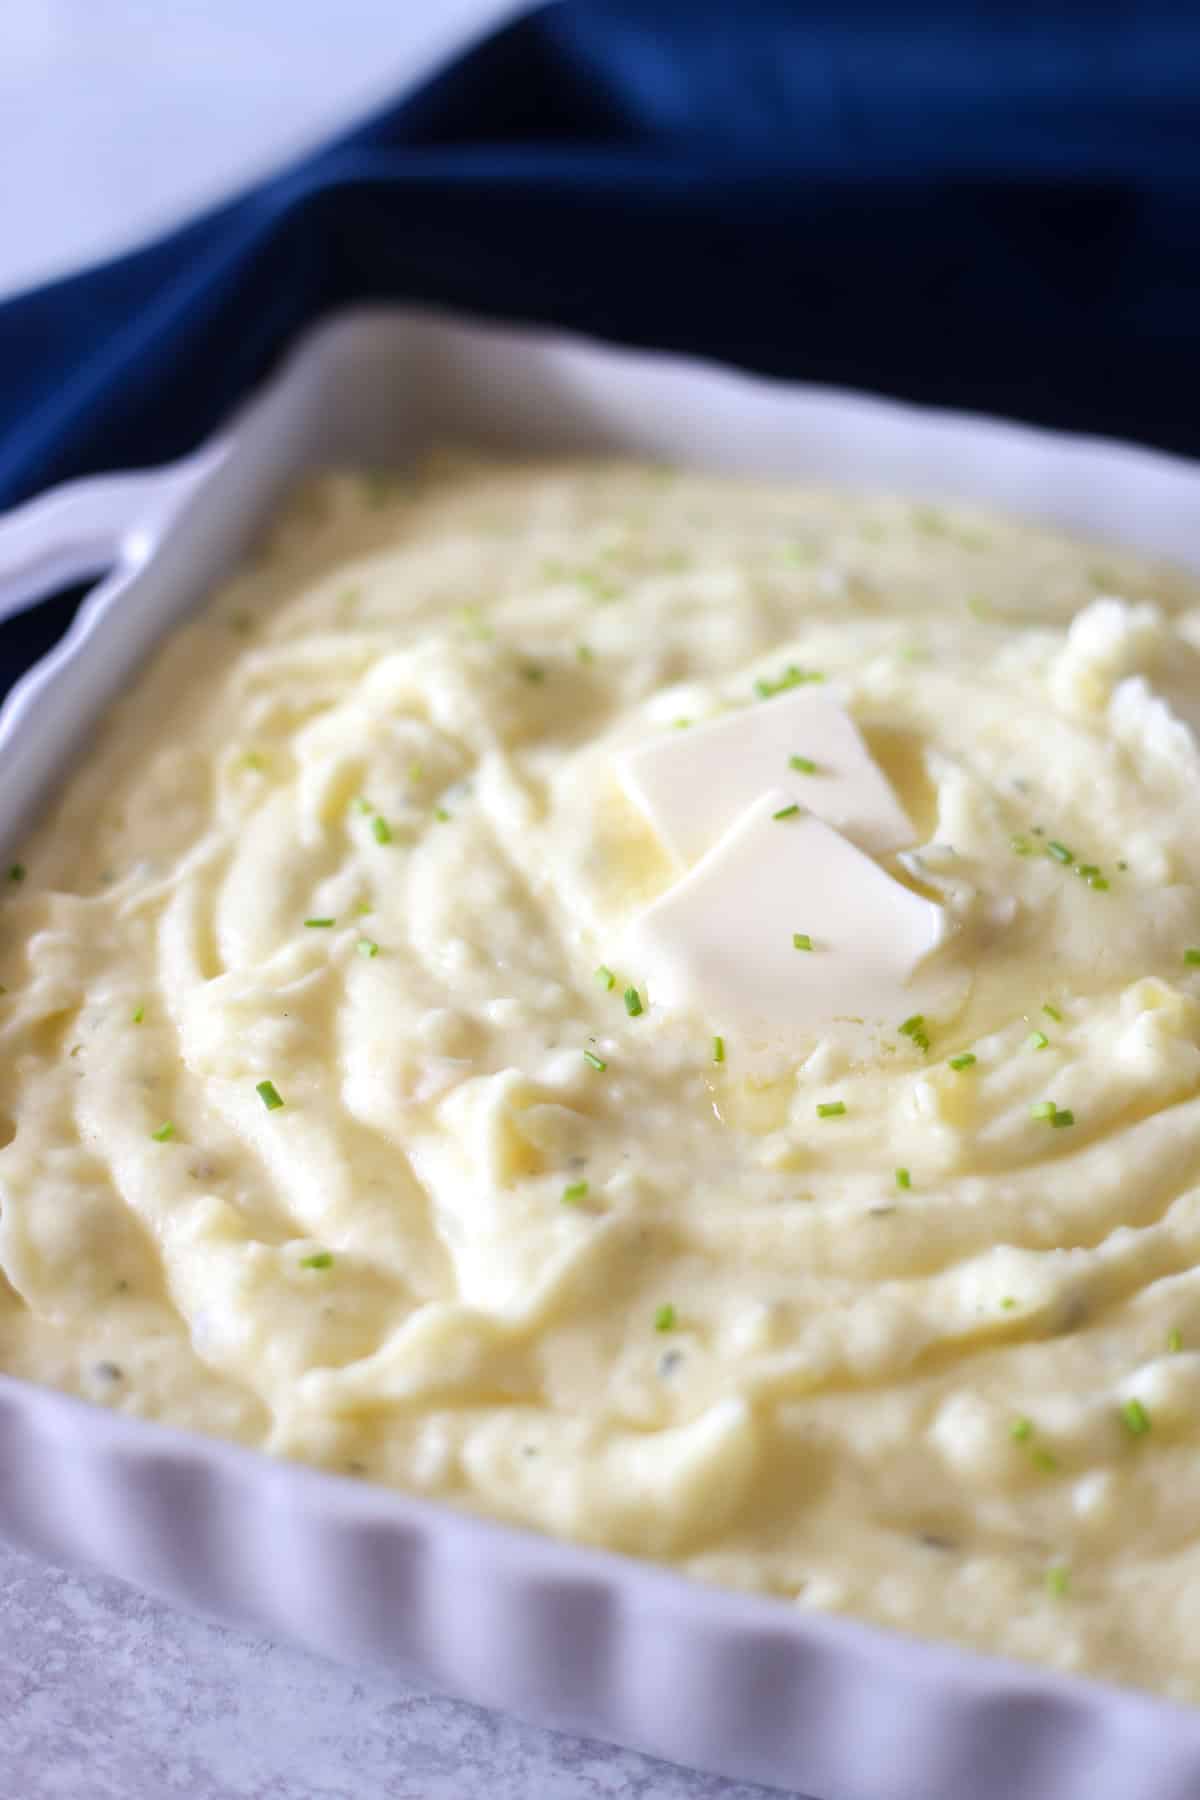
693,784
722,941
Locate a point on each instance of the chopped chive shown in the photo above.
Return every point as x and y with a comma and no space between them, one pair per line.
718,1049
787,812
367,947
1037,1040
1052,1012
1191,956
597,1062
1137,1419
681,724
633,1002
964,1061
531,672
903,1179
1042,1109
363,805
606,978
1063,1116
1174,1340
1008,1303
416,771
585,654
363,910
321,1259
914,1028
791,677
574,1192
1099,883
441,815
268,1093
1021,1429
801,941
1122,866
1021,844
666,1318
252,760
16,872
319,924
831,1109
139,1013
1058,1580
1059,852
163,1133
1044,1460
382,830
804,765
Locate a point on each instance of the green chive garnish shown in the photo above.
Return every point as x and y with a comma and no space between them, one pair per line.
574,1192
1042,1109
903,1179
1099,883
606,978
1191,956
17,872
382,830
665,1319
597,1062
321,1259
1059,852
1037,1040
831,1109
633,1002
718,1049
1021,1429
1063,1116
1007,1304
787,812
1021,845
441,815
964,1061
584,654
801,941
1043,1460
1175,1340
1058,1580
139,1013
914,1028
1137,1419
319,924
791,677
804,765
1052,1012
163,1133
367,947
268,1093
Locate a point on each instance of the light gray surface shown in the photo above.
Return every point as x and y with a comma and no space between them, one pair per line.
105,1695
116,118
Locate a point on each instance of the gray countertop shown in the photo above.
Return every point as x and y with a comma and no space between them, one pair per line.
106,1695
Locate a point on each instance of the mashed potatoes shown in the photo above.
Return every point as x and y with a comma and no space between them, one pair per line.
330,1124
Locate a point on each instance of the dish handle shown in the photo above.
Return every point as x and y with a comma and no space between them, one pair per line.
82,529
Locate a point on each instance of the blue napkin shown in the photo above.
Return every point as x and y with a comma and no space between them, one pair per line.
982,206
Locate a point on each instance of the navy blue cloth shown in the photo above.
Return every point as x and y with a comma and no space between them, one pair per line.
984,206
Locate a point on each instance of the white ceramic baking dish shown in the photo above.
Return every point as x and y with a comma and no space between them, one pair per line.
597,1643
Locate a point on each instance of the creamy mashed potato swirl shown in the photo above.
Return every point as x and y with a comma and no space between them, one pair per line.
322,1132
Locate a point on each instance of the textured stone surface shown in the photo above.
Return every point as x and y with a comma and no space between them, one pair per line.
105,1695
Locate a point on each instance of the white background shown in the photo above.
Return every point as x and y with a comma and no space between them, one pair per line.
118,117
